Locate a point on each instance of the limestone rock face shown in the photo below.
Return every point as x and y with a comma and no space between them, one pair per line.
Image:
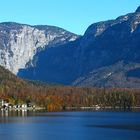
19,43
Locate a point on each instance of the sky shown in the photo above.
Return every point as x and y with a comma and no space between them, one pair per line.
72,15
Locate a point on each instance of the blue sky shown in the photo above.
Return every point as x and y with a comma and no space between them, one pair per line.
73,15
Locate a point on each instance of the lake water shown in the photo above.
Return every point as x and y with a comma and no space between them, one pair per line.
70,126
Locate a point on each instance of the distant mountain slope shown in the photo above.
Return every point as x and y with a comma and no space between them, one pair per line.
19,42
55,65
116,75
107,47
116,43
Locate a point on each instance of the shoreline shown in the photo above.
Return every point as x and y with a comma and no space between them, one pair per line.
71,109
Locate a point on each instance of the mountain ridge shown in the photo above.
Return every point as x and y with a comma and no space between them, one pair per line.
108,47
22,40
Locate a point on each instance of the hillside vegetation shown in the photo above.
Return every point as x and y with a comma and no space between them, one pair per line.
54,98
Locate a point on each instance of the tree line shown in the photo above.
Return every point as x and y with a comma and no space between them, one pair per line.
55,98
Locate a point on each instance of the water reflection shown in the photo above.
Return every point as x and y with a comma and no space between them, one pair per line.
12,116
17,113
26,125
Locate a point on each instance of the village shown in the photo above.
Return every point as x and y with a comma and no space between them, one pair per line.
5,105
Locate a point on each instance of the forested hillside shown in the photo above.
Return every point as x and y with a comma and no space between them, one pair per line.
54,97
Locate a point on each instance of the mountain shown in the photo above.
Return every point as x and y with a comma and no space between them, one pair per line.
19,42
113,51
108,54
55,65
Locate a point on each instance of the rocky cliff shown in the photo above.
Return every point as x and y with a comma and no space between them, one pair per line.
19,42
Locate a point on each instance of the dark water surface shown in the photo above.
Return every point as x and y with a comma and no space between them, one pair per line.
70,126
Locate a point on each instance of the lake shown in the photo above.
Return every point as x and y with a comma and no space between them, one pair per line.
98,125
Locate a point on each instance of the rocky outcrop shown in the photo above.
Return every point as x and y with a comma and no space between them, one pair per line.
19,43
